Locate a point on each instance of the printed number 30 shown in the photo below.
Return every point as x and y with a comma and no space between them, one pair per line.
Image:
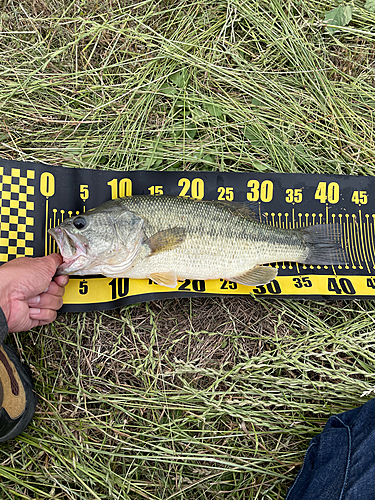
262,191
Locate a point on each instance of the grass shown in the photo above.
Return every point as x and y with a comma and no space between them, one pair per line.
195,398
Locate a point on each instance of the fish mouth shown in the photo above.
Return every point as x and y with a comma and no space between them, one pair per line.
71,249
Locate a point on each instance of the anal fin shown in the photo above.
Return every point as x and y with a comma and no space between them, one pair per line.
258,275
168,279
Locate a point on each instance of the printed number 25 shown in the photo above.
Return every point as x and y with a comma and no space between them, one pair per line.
225,193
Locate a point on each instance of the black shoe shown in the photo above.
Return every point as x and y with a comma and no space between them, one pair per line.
17,397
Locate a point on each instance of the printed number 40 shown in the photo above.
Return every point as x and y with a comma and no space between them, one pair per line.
327,192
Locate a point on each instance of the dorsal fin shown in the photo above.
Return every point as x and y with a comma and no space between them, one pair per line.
248,210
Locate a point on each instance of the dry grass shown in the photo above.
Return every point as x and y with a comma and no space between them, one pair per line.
195,398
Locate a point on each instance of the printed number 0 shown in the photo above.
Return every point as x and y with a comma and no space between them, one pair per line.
47,184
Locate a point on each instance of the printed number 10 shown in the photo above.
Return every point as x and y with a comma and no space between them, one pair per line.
121,188
120,287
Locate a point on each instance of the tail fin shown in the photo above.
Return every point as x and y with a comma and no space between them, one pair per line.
325,245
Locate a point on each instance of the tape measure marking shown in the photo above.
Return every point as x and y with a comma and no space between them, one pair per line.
35,197
16,208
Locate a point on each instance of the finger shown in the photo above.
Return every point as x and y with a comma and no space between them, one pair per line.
42,315
42,323
54,259
55,289
49,263
62,280
34,301
47,301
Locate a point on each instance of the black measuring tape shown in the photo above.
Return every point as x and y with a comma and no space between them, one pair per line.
35,197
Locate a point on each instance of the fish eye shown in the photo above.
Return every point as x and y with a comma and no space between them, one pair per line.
79,222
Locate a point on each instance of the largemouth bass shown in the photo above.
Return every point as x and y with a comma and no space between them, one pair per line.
170,238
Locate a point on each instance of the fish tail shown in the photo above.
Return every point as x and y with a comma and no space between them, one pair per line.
325,244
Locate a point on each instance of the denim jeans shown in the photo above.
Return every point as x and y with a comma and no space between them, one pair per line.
340,462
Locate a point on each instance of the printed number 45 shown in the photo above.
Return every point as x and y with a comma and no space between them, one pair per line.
360,197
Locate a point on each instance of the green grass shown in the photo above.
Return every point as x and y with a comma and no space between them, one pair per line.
202,398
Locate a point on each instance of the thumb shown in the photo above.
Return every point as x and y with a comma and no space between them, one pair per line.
50,263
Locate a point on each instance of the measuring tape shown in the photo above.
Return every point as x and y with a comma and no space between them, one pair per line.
35,197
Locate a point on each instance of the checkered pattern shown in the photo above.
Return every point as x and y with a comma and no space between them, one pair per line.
16,208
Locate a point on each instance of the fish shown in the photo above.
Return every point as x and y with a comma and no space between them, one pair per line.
171,238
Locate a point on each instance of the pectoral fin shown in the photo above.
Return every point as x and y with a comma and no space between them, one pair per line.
165,279
259,275
166,240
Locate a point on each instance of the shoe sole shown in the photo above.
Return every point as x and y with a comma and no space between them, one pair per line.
31,397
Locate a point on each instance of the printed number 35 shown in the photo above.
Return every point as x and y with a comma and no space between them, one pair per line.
293,195
300,282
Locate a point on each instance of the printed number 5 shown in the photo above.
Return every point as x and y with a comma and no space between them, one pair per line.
84,192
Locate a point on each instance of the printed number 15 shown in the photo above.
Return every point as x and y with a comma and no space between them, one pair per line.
156,190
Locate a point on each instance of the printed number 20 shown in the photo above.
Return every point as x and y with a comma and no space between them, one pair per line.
196,187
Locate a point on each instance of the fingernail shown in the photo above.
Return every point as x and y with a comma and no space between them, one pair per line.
64,280
34,311
34,301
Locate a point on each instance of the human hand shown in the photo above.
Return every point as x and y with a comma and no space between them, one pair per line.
30,295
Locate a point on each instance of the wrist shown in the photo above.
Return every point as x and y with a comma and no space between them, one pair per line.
4,294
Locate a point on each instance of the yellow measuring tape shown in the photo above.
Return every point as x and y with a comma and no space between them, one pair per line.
35,197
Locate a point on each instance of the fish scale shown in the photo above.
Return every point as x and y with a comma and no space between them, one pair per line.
167,238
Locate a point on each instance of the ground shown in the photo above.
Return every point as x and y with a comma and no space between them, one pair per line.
202,398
